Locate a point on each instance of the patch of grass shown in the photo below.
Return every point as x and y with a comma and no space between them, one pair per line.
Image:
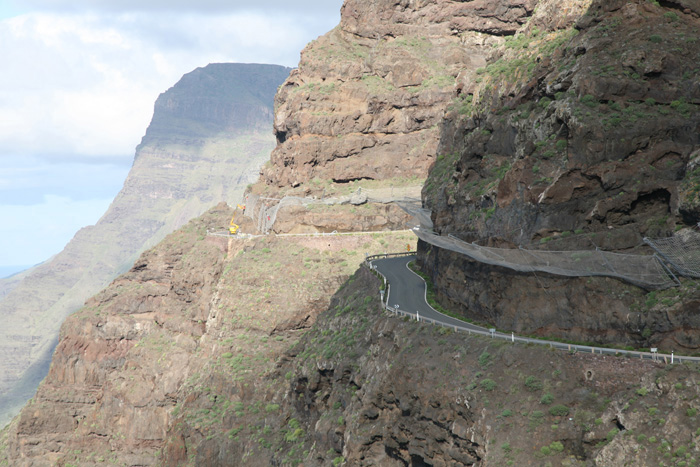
484,359
557,446
559,410
611,434
488,384
533,384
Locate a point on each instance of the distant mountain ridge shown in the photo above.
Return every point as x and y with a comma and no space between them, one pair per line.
209,136
206,102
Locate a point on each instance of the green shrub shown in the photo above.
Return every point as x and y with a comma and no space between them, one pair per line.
547,399
691,412
506,413
338,460
488,384
533,384
655,38
545,450
611,434
557,446
559,410
561,145
641,438
589,101
642,392
484,359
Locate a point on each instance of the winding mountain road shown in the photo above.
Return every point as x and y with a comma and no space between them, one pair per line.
408,292
407,296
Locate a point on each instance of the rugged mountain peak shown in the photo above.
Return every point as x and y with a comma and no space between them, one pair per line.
220,98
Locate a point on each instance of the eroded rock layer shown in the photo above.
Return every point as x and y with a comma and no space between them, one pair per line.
367,97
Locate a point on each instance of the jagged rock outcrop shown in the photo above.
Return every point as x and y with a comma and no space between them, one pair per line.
582,134
367,97
215,122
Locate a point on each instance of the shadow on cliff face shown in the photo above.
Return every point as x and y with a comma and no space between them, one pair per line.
575,136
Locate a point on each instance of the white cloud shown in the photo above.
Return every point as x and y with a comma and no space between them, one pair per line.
218,6
86,83
79,81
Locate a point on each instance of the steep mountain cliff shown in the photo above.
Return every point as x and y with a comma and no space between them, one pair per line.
367,97
214,122
582,134
270,351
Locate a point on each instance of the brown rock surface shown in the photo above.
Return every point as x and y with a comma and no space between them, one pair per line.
195,323
367,97
590,139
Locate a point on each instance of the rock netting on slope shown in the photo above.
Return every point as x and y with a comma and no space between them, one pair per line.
579,136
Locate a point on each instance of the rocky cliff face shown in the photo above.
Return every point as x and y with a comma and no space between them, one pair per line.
209,125
367,97
215,351
582,134
169,366
173,350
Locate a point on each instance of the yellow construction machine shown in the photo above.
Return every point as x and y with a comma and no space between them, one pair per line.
233,228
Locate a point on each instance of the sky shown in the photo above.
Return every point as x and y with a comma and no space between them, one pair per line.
77,92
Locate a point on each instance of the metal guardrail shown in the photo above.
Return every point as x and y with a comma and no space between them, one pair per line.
573,348
388,255
335,233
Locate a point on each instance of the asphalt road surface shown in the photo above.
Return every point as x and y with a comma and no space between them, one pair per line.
407,293
407,290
